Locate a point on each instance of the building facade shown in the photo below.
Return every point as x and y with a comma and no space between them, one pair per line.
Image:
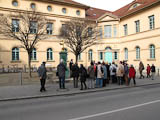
131,33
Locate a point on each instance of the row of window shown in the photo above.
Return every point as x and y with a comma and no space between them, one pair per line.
15,54
108,28
151,49
49,8
33,27
137,25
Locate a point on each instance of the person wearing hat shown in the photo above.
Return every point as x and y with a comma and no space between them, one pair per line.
42,72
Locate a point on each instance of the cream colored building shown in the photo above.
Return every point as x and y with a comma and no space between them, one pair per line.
131,33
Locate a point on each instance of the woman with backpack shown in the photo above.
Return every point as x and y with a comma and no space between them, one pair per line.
83,75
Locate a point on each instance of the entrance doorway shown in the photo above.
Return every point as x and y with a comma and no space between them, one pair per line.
108,55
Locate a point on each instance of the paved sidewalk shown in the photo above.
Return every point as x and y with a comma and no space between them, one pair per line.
32,91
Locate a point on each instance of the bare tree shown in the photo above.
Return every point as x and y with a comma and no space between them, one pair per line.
79,35
27,27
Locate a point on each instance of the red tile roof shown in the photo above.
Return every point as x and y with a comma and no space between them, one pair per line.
95,13
73,2
126,9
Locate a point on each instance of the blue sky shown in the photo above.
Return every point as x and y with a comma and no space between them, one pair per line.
110,5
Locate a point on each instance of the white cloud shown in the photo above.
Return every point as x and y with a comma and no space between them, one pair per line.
110,5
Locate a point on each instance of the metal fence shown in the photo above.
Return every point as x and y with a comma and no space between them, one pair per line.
14,75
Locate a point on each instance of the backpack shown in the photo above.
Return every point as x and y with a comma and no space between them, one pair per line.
114,70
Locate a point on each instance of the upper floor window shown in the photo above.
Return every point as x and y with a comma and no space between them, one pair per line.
64,10
107,31
115,31
34,54
33,5
126,54
49,8
15,25
78,12
151,22
125,29
137,24
80,57
101,56
49,28
15,53
115,55
33,27
90,55
137,53
15,3
49,54
152,51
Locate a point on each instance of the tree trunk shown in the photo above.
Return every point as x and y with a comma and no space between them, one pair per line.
29,65
76,58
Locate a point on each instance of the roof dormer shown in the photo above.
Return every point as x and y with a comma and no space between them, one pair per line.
134,6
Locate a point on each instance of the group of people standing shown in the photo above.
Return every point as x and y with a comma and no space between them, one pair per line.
97,75
100,74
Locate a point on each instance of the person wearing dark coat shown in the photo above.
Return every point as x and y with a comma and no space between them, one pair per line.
61,68
83,75
70,67
108,73
153,71
75,75
42,73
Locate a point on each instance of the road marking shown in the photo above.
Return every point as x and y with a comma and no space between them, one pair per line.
113,111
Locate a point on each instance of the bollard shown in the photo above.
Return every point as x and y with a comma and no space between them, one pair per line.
21,78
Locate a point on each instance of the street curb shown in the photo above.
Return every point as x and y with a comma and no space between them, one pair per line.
71,94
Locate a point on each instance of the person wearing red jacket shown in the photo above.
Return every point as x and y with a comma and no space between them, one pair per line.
132,74
148,71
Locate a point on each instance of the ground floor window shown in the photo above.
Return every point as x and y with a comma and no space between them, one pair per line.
15,54
49,54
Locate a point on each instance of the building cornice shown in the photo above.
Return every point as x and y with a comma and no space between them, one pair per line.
60,2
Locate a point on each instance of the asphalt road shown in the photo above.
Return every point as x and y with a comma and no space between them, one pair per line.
136,103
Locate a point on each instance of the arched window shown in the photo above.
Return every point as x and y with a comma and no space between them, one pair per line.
137,53
90,55
15,53
15,3
126,54
49,8
64,10
34,54
33,6
152,51
49,54
78,12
